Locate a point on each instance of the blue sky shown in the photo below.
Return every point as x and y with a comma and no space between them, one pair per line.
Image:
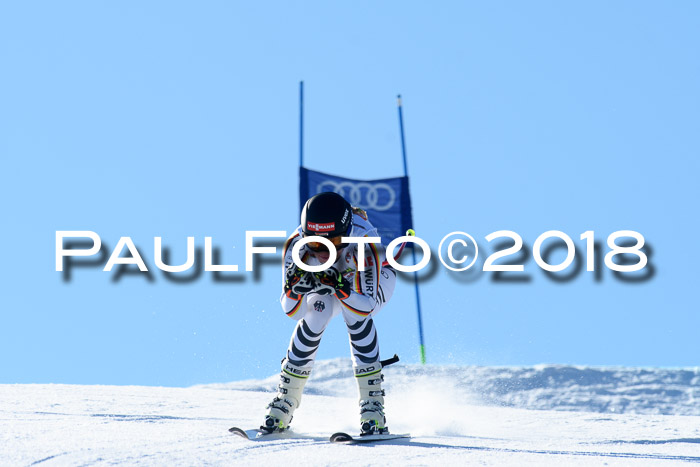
178,119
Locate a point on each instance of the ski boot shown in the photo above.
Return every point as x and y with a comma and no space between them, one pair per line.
369,381
288,398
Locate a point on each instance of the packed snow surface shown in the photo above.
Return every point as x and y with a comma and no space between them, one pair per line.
545,415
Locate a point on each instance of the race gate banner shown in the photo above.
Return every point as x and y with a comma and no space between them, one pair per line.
387,201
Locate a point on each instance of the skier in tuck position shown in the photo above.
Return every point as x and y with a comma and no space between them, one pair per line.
313,299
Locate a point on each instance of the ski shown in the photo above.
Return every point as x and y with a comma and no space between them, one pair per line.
259,435
341,438
348,439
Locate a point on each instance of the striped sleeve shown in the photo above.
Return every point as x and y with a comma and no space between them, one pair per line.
363,299
291,306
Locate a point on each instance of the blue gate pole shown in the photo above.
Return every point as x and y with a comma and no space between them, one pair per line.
413,250
301,123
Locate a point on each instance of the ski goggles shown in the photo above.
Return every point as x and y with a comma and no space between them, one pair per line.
320,247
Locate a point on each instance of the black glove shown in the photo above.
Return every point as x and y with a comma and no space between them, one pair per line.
331,281
298,282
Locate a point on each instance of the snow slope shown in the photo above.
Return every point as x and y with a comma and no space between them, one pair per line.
544,387
458,415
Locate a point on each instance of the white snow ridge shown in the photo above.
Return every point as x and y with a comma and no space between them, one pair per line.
457,416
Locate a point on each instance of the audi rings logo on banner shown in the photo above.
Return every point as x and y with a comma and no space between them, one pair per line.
362,194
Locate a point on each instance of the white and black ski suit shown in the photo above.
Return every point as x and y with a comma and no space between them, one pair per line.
371,290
